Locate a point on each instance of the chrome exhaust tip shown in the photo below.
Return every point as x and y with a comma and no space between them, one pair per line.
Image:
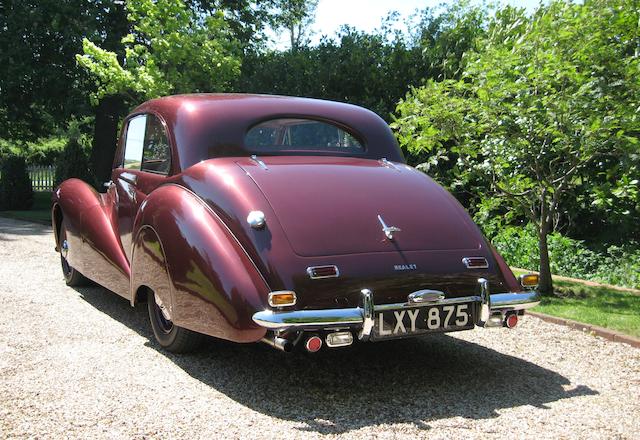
279,343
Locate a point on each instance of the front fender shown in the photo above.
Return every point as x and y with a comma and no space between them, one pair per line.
94,244
213,285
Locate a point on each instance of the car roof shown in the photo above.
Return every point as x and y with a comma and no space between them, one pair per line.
208,125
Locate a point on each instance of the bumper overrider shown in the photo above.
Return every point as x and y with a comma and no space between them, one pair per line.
492,309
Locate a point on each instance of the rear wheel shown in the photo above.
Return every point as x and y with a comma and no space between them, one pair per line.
71,276
169,336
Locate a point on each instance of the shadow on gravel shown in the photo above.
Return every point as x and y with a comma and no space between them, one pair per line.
10,226
411,381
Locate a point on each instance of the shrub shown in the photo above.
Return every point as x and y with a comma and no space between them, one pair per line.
43,151
16,192
611,264
74,162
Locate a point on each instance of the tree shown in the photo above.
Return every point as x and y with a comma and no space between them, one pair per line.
295,16
444,36
170,49
545,101
247,19
40,84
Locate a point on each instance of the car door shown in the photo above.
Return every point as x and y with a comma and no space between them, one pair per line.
146,163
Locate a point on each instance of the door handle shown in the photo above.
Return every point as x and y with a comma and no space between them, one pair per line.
108,184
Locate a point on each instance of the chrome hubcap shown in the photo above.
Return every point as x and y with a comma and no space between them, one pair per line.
162,315
64,248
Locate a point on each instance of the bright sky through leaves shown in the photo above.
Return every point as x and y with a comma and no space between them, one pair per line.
367,15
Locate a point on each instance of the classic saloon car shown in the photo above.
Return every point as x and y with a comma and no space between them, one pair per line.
291,221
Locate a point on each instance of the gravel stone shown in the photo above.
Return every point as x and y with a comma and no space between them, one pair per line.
82,363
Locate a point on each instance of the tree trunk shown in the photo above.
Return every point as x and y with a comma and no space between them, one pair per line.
105,136
545,283
292,37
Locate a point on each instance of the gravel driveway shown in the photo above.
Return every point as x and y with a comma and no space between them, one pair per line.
83,363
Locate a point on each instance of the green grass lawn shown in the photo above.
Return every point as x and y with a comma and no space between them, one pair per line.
40,212
596,305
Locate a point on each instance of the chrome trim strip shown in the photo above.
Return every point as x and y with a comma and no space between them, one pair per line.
310,270
389,164
514,301
308,318
259,161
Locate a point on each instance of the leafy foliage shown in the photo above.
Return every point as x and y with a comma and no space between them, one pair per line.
295,16
73,161
542,103
373,70
41,85
16,192
171,49
40,151
611,264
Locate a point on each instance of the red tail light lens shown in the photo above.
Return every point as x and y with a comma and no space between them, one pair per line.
313,344
475,262
317,272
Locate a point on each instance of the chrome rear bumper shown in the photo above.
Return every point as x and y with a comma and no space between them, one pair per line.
362,317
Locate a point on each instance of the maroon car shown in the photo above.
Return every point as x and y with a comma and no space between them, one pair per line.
285,220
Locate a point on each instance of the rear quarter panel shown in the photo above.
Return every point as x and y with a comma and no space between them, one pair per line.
214,286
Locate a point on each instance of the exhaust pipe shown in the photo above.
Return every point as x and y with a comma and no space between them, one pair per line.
281,344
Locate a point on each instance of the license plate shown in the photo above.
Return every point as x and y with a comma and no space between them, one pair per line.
436,318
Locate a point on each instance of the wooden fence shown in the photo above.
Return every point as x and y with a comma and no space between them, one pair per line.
42,177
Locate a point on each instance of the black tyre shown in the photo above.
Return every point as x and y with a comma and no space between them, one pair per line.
169,336
71,276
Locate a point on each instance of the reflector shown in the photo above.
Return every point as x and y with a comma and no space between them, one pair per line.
313,344
282,298
529,280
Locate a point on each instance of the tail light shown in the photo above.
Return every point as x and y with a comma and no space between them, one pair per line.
511,321
529,281
319,272
313,344
475,262
282,298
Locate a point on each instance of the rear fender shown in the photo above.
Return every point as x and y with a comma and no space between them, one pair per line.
197,265
507,274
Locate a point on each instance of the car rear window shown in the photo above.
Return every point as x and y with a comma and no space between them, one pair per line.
294,134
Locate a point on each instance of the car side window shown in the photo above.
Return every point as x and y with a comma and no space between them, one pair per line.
156,156
134,142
